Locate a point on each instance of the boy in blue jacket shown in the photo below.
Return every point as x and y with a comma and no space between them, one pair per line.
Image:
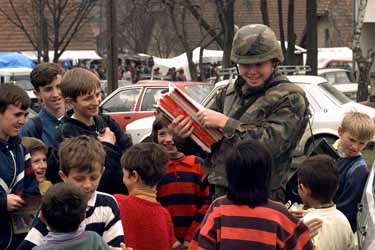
16,174
356,130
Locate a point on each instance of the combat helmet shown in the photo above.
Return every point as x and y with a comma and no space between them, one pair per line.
255,43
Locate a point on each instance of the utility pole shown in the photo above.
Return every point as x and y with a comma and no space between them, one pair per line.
112,48
312,38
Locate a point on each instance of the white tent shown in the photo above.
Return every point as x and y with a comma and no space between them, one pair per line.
209,56
74,55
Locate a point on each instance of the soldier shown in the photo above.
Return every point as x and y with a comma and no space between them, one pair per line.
261,104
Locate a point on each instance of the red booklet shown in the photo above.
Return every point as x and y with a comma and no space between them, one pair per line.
176,103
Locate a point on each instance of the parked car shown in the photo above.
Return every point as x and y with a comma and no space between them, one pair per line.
21,78
136,101
366,215
342,79
327,106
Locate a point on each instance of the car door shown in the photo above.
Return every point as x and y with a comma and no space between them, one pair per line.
121,106
148,101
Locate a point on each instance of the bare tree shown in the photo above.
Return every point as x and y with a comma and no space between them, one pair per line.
57,21
136,24
281,26
264,11
312,40
364,63
177,13
290,57
223,34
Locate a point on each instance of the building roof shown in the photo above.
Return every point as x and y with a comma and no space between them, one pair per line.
14,39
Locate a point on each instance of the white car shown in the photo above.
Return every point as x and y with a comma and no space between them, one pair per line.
327,105
366,215
342,79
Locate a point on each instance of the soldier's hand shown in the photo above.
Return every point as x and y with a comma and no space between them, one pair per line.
14,202
212,119
182,128
107,136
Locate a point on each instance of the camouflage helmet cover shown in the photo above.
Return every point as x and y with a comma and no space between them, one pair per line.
255,43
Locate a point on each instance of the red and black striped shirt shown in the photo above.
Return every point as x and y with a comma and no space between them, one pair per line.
227,226
184,192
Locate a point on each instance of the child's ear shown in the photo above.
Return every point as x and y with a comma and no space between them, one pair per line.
340,132
62,176
41,217
69,101
37,94
134,174
305,189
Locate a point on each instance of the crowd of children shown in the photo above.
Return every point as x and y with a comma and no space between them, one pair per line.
75,160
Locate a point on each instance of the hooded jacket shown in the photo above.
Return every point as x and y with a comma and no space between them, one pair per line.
16,177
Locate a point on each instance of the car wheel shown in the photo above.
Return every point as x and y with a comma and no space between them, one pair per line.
313,141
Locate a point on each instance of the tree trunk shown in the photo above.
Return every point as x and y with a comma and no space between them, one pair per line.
192,66
312,39
112,46
264,11
281,26
290,59
228,33
364,63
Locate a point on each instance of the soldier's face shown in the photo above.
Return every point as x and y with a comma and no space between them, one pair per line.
256,74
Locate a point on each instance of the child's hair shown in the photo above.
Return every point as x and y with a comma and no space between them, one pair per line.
33,144
44,73
320,175
359,125
77,82
11,94
82,153
63,207
150,160
159,123
248,166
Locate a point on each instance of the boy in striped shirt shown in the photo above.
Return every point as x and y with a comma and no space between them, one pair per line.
82,165
245,218
183,190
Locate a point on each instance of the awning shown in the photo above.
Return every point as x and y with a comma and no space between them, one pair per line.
67,55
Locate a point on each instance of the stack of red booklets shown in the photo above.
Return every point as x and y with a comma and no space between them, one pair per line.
176,103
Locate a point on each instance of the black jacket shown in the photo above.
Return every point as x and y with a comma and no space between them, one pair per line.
111,181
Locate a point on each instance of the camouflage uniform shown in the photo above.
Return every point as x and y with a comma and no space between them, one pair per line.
276,113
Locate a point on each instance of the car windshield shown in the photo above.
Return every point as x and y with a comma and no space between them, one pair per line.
336,94
23,81
344,77
198,91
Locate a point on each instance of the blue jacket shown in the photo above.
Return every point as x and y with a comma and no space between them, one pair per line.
16,177
353,174
48,128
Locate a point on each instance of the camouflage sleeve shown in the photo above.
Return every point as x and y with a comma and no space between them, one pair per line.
218,103
276,130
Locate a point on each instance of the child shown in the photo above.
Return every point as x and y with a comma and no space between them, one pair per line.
183,191
245,218
317,184
38,152
147,225
356,130
82,165
63,209
46,79
16,175
81,90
